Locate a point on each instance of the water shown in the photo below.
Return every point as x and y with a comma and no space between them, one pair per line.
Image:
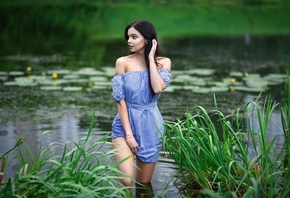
29,111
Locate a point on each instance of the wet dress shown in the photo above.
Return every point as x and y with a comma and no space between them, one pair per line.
145,118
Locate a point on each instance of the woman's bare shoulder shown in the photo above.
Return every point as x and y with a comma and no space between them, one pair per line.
165,62
120,65
122,59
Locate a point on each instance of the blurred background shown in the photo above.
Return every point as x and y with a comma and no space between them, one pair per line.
57,61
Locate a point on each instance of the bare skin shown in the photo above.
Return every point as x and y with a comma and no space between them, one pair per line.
128,147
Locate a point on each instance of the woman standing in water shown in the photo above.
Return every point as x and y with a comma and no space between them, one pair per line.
139,79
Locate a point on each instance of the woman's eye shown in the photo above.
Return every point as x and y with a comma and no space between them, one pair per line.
134,37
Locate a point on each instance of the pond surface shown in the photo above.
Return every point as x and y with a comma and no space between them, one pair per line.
58,92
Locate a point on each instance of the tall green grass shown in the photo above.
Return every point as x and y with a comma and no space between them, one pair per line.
231,156
83,170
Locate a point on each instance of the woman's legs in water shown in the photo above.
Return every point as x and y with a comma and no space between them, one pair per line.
127,167
144,171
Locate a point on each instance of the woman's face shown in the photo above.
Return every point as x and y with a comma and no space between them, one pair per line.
136,41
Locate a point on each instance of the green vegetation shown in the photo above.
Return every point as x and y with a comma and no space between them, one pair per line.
240,160
82,170
63,25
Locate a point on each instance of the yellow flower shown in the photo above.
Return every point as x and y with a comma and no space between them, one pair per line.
28,69
233,80
54,75
246,74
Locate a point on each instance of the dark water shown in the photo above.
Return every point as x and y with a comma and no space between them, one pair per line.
28,111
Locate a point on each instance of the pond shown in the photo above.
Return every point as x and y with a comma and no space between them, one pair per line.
59,91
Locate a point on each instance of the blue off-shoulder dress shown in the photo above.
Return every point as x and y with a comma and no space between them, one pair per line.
145,118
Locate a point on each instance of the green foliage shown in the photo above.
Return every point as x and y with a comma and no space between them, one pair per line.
231,156
82,171
75,24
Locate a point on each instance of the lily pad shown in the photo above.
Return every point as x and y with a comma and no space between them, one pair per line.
51,88
3,78
172,88
100,87
77,80
236,74
11,83
98,78
2,73
276,79
276,76
72,89
52,82
219,84
108,71
16,73
250,89
219,89
61,71
71,76
202,90
103,83
202,72
89,72
256,83
24,81
178,72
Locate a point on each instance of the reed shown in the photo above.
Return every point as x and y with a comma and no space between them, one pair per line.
81,171
231,156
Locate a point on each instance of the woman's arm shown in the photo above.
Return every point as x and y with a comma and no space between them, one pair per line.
123,112
157,82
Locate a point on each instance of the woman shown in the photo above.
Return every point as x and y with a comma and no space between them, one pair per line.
139,79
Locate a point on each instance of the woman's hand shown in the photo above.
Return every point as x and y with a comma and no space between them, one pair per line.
133,145
153,48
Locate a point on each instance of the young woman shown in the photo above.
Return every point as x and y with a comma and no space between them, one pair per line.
139,79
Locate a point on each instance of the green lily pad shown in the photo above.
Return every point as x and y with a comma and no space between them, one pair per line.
219,89
76,81
256,83
2,73
89,72
218,84
54,82
108,71
172,88
16,73
72,76
276,79
11,83
250,89
51,88
202,90
201,72
61,71
103,83
236,74
100,87
276,76
24,81
72,89
3,78
98,78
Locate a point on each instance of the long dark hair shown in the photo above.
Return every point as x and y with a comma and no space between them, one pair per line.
147,30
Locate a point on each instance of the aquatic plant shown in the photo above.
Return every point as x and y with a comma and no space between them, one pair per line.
82,170
231,156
